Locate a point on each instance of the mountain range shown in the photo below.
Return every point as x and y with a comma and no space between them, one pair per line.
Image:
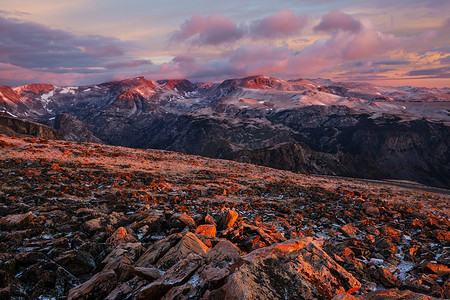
314,126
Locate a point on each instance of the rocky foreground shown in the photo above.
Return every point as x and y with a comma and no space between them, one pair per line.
90,221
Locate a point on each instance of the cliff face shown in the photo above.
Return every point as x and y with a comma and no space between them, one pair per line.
14,126
74,129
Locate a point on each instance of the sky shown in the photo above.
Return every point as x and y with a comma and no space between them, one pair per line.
82,42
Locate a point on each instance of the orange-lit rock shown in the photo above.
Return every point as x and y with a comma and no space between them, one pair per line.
208,230
440,269
229,219
312,274
187,245
187,221
120,236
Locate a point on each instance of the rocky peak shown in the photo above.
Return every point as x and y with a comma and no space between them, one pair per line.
34,88
137,83
181,85
252,82
8,94
129,95
259,82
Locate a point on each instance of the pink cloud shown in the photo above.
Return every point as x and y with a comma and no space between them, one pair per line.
212,30
282,24
217,29
325,55
345,46
336,20
33,45
260,59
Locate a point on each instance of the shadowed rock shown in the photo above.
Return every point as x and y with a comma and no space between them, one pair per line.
95,288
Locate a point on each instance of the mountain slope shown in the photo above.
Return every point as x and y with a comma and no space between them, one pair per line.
86,221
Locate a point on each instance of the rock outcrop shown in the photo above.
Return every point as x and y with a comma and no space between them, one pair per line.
17,127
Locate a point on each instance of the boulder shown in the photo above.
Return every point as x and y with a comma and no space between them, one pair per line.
188,244
15,221
120,292
93,225
120,236
149,274
157,250
210,220
440,269
77,262
120,264
393,294
207,230
175,276
217,265
187,220
95,288
229,219
295,269
29,258
386,278
371,210
349,230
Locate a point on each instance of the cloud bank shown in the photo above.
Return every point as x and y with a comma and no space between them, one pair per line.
34,46
217,29
215,47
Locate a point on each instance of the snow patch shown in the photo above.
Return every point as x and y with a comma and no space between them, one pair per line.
69,89
7,112
45,98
